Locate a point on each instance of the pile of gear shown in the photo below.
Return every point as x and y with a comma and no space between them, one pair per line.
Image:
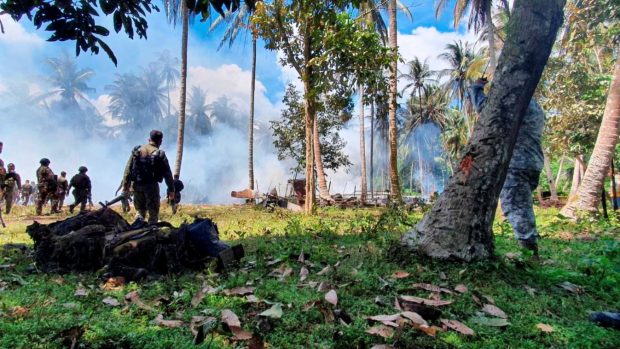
103,241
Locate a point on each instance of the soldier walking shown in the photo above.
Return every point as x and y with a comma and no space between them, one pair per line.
62,190
146,168
46,185
11,180
523,171
81,189
27,191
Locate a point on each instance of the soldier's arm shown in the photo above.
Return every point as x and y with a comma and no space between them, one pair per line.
167,172
126,182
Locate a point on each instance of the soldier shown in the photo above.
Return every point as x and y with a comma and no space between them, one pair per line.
523,172
46,185
27,190
82,189
62,190
11,179
178,187
126,198
146,168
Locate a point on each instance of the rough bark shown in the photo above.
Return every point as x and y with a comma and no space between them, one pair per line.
577,175
309,121
393,93
372,149
364,185
318,161
183,88
588,194
550,180
558,177
251,123
459,225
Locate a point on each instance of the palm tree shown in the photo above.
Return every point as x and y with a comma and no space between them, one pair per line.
454,135
588,194
169,72
236,22
419,74
152,95
392,105
197,110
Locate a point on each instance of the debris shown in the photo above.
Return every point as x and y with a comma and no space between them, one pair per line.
80,291
114,284
159,321
303,274
388,320
275,312
332,297
200,295
111,301
381,330
325,270
252,299
431,302
494,311
382,346
414,317
239,291
491,322
458,327
323,286
19,312
230,318
572,288
545,328
400,274
135,299
460,288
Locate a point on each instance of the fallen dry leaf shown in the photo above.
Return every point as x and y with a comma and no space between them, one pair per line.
400,274
328,314
382,318
303,274
489,299
545,328
252,299
570,287
332,297
324,286
110,301
239,291
200,295
431,288
513,255
397,304
19,311
460,288
135,299
429,330
382,346
414,317
80,291
381,330
275,312
443,276
159,321
240,334
325,270
476,299
230,318
494,311
458,327
432,302
492,322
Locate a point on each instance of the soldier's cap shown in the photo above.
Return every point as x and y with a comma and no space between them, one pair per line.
82,169
44,161
156,135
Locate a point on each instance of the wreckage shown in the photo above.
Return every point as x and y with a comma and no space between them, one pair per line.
103,241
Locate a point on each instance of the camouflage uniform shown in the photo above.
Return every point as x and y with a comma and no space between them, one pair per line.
11,180
146,168
27,190
82,189
523,172
61,191
46,187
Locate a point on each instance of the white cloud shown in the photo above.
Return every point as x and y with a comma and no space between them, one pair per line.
3,88
14,33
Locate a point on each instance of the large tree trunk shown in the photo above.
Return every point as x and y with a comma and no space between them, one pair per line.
309,120
393,92
550,180
183,92
459,225
578,172
364,185
251,124
588,194
318,161
372,149
491,38
558,177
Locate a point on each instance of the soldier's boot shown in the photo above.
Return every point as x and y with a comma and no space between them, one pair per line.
71,208
230,256
531,246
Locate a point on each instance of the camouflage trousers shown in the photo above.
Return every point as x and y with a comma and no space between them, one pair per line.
25,199
9,195
517,203
42,198
80,198
146,199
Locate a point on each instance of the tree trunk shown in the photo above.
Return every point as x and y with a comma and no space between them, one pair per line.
577,176
459,225
550,180
588,194
318,161
309,120
251,123
364,186
393,92
558,177
491,38
183,88
372,149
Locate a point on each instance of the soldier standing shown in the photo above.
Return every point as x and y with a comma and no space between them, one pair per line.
45,185
27,190
11,180
82,189
178,187
146,168
62,190
523,171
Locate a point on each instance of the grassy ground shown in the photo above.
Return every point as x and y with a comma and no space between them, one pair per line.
41,311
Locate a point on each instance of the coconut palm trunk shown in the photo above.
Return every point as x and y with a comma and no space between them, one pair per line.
183,87
588,194
309,113
251,123
364,185
491,38
393,91
578,172
459,225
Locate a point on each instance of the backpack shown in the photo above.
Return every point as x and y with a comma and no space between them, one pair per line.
144,168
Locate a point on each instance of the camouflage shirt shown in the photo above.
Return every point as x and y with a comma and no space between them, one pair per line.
44,176
528,153
63,184
162,167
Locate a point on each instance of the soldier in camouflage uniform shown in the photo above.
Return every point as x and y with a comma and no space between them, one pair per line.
27,191
82,189
523,171
146,168
62,190
46,185
11,180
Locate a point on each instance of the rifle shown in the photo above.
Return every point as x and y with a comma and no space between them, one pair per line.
121,197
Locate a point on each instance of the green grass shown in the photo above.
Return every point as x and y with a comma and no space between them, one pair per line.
365,242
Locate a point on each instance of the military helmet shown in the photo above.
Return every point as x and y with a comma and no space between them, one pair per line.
45,161
82,169
11,166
